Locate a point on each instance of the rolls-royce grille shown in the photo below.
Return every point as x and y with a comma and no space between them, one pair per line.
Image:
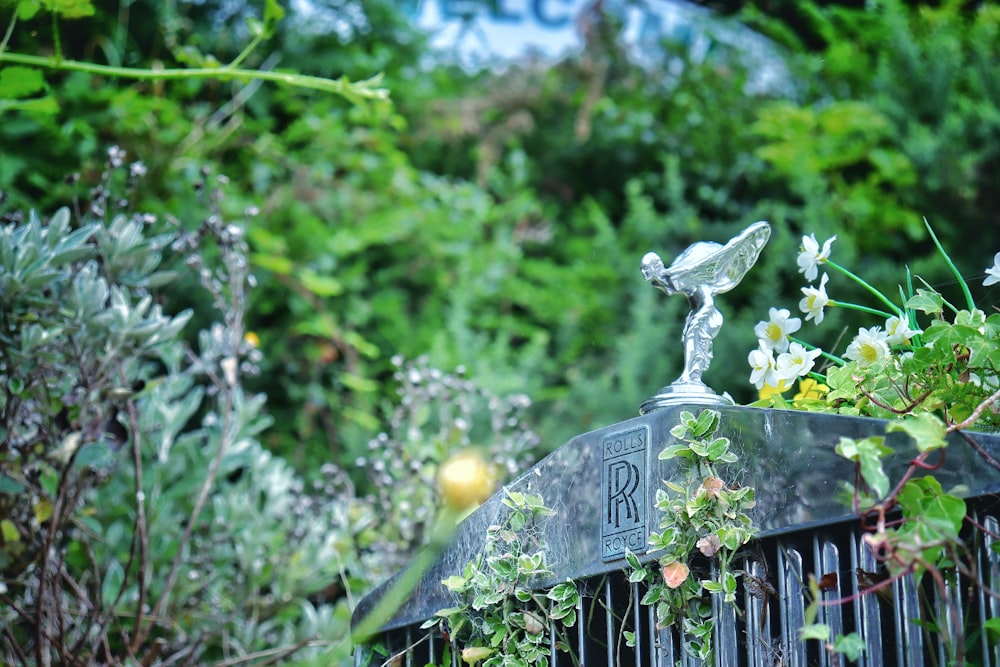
807,535
901,624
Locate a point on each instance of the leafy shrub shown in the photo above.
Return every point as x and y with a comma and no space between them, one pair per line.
141,518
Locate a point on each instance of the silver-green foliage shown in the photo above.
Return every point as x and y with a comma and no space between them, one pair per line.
140,519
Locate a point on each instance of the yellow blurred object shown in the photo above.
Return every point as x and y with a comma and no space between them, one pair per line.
767,391
465,480
251,339
810,389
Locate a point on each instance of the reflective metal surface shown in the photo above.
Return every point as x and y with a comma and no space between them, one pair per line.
699,273
787,456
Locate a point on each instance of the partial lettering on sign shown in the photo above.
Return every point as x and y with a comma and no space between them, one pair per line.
623,493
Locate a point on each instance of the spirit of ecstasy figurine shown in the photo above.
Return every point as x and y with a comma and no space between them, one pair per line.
700,272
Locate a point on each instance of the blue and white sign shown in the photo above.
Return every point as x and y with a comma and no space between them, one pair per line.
480,33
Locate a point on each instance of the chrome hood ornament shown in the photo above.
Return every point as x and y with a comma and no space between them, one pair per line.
700,272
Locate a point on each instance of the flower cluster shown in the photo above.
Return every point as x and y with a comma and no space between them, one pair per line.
780,359
793,359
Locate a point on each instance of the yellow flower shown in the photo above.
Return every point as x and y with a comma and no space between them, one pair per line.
810,389
251,339
770,391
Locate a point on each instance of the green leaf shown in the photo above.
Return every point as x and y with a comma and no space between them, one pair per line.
273,263
16,82
254,27
113,581
27,9
717,449
562,592
674,451
712,586
992,627
273,13
707,422
819,631
926,301
47,105
70,9
700,449
868,453
9,531
10,486
321,285
93,455
729,583
42,510
925,428
851,645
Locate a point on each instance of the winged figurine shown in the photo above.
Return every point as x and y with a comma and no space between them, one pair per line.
700,272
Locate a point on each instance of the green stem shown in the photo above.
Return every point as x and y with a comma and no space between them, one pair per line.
818,377
57,41
859,307
951,265
246,52
10,31
861,281
362,89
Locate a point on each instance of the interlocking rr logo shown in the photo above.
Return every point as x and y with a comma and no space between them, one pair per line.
623,493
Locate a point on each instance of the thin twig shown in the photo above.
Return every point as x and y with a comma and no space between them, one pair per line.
12,642
976,414
206,487
140,533
979,450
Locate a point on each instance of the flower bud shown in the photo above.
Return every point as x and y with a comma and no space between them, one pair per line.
472,654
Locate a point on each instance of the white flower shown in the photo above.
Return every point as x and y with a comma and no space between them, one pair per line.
775,332
868,347
810,256
797,362
993,273
815,301
762,362
898,331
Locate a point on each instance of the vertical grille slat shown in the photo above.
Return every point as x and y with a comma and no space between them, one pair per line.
758,637
553,654
907,606
726,629
792,606
641,651
989,572
609,622
827,558
867,612
653,638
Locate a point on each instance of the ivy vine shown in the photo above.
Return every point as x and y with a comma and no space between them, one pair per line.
703,524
